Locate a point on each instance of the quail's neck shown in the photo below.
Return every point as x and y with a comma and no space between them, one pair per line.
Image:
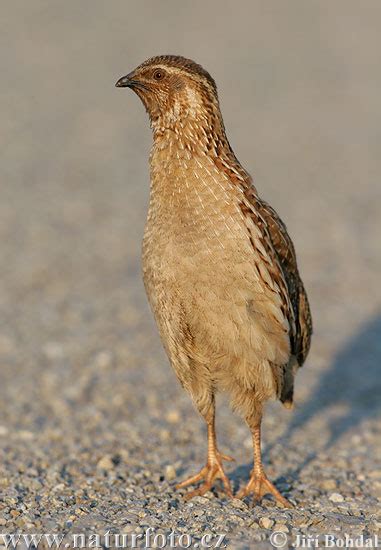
204,138
196,131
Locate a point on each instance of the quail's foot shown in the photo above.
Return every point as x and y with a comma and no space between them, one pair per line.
209,473
259,485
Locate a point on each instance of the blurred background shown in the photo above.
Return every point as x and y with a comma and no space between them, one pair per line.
83,375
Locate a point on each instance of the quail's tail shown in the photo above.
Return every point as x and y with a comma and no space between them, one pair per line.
287,391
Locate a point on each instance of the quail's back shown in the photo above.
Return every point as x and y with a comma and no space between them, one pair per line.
219,266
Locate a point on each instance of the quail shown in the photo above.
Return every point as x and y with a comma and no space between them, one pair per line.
219,267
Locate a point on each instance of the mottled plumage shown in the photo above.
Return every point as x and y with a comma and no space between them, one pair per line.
219,266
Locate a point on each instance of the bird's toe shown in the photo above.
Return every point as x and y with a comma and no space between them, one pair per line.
259,485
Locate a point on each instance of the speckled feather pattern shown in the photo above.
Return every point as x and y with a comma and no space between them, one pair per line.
219,267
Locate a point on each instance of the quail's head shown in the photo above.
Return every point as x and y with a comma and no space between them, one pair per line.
173,90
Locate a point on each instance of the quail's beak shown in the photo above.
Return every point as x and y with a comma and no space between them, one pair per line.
125,82
130,81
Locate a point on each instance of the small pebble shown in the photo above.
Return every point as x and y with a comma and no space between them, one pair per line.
105,463
53,350
103,359
266,523
170,472
336,497
173,417
3,431
328,484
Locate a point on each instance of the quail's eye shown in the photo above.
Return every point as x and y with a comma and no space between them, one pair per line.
158,75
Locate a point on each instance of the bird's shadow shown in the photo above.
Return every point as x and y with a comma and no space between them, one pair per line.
353,381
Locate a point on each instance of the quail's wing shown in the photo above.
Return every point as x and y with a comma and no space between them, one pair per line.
284,249
281,248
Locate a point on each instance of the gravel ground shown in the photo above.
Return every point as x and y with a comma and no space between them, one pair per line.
94,428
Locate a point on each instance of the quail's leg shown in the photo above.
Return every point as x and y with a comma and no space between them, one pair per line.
213,469
259,484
